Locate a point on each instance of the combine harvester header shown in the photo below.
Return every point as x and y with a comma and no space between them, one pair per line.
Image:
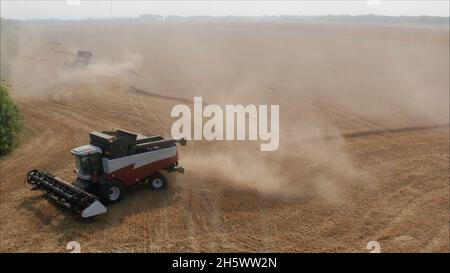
111,162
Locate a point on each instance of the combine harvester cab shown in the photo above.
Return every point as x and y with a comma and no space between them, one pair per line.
84,57
111,162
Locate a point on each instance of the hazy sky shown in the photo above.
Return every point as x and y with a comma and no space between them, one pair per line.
74,9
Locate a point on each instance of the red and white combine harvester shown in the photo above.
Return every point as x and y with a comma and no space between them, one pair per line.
105,167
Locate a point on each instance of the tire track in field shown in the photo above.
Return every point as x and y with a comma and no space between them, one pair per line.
347,115
265,220
188,211
381,133
326,107
220,236
135,105
156,120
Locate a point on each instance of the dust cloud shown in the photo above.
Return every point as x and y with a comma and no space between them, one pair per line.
305,165
346,83
327,83
99,71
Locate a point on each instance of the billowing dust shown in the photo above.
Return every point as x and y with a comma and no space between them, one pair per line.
96,72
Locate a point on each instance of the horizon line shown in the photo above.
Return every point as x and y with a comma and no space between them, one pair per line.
227,16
